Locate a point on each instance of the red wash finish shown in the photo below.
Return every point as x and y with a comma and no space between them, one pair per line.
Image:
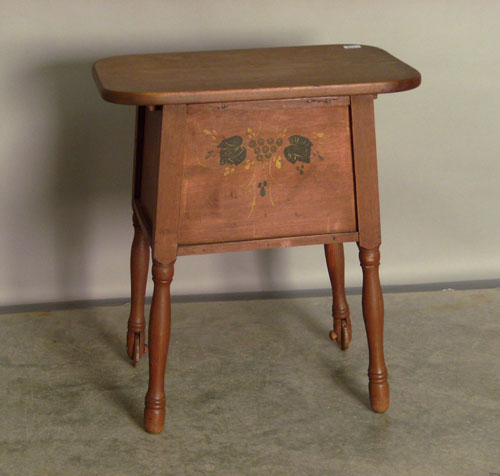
254,149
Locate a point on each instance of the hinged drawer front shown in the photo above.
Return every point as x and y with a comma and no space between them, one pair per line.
267,169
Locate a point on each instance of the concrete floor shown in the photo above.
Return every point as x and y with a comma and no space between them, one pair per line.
256,388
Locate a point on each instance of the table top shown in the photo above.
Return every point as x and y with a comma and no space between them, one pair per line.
253,74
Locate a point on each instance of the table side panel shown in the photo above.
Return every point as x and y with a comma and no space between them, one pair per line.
365,167
267,170
172,152
147,184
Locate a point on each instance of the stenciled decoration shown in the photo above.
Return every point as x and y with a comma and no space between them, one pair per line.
263,157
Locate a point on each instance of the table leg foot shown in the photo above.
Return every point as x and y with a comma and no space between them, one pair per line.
136,346
379,392
342,331
154,415
373,315
159,337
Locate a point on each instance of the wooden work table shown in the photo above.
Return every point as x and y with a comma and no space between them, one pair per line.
253,149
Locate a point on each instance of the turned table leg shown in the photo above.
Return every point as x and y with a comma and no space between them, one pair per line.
159,336
139,264
373,314
342,332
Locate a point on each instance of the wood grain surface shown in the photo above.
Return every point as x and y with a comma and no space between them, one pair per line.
171,153
255,170
253,74
265,244
365,167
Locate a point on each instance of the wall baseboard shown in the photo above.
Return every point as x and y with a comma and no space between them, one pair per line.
255,295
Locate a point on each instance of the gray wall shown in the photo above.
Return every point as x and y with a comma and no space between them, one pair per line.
65,155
